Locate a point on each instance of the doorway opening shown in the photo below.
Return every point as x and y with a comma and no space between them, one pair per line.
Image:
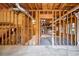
45,31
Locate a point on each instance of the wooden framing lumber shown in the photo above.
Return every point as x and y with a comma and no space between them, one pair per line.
77,7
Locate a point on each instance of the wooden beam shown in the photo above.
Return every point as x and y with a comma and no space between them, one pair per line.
36,5
77,7
71,29
12,21
62,6
39,26
1,6
49,6
60,28
55,37
67,31
25,6
63,30
48,10
8,20
6,5
30,5
75,30
52,28
44,6
55,6
1,30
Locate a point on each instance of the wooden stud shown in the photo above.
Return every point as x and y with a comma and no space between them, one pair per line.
28,27
39,26
13,22
63,29
67,31
23,29
52,28
8,20
6,26
32,24
12,40
17,27
75,30
10,27
71,29
60,28
7,40
2,28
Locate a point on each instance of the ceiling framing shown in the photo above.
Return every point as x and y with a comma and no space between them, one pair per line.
41,6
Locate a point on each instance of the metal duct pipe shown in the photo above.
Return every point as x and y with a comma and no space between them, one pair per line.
23,10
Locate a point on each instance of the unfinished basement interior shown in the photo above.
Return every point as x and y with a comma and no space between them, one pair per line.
38,25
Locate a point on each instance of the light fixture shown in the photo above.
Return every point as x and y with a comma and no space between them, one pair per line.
33,21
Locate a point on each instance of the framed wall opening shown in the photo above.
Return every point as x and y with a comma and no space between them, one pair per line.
45,31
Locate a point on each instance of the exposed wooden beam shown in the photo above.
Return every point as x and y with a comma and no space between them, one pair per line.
36,5
62,6
44,6
77,7
26,6
11,5
55,6
49,6
30,5
6,5
1,6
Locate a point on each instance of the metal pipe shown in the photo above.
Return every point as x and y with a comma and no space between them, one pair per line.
23,10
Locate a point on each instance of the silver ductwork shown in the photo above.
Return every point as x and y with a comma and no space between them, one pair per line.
23,10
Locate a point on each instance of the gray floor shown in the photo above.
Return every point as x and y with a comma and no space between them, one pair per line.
46,41
39,51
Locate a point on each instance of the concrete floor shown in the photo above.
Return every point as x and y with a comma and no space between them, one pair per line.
39,51
46,41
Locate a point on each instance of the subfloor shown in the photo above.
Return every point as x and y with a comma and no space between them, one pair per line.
39,50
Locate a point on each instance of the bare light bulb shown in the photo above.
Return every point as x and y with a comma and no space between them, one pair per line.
33,21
